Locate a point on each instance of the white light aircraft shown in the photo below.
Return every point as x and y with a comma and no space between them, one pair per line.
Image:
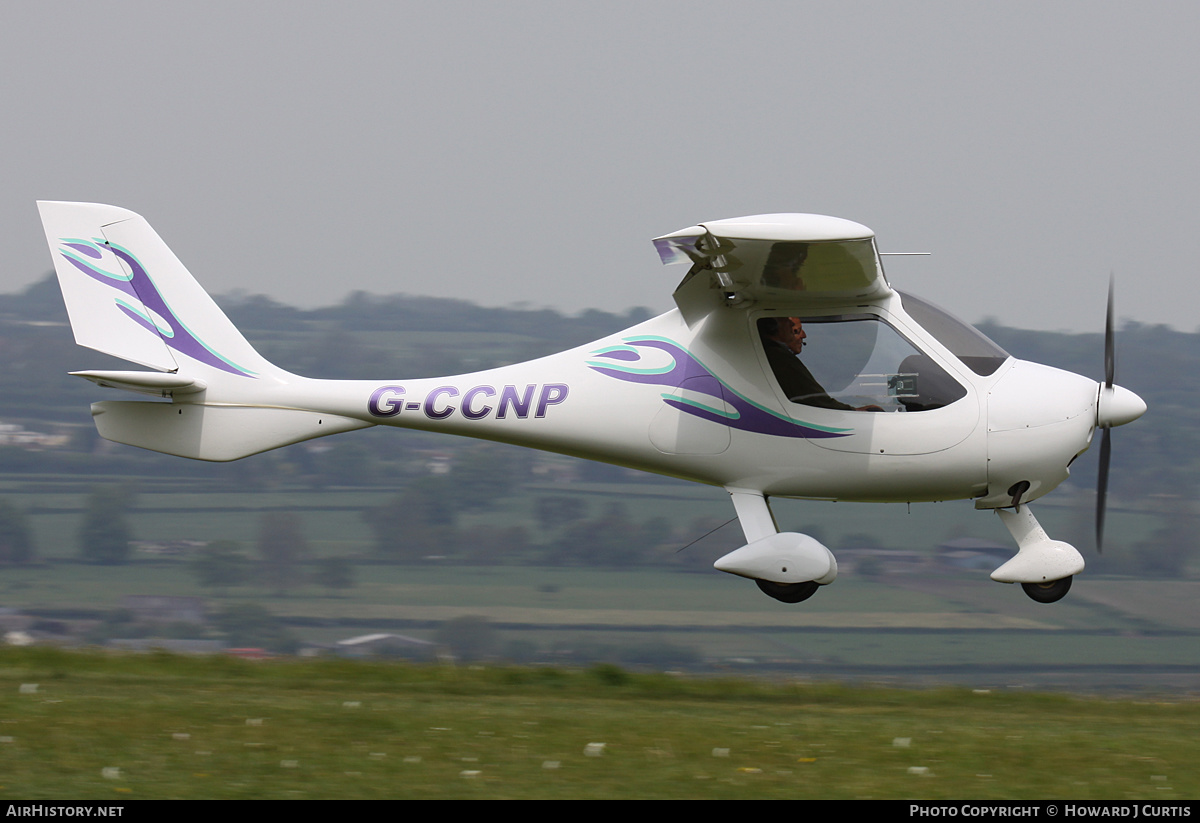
894,400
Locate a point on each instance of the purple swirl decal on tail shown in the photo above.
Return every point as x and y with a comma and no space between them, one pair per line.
148,308
746,415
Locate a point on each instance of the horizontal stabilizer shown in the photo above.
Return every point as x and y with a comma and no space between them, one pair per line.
147,382
210,432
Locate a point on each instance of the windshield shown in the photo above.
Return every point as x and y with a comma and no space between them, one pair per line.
853,363
964,341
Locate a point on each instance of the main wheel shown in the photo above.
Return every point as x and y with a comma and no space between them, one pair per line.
1049,592
788,592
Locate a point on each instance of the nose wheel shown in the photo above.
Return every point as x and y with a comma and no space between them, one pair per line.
1049,592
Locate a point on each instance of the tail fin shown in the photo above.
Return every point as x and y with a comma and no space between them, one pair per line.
129,296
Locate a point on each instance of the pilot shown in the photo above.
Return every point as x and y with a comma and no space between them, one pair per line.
783,339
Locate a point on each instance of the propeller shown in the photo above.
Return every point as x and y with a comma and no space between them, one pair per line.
1110,367
1115,406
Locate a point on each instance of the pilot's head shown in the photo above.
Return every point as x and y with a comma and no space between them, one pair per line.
788,331
798,333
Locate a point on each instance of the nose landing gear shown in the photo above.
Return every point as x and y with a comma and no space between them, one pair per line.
1042,566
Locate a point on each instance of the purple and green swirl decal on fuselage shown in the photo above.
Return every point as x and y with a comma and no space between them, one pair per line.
745,414
161,320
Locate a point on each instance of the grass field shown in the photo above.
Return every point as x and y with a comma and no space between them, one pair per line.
113,727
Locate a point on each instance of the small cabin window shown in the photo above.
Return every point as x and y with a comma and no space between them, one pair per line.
853,363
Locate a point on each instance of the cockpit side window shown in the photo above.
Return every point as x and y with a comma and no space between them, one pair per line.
967,343
853,363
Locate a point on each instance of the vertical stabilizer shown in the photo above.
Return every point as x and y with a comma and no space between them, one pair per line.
129,296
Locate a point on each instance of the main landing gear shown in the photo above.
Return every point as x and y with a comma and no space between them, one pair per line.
787,566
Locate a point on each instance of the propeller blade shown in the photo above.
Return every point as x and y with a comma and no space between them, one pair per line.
1110,354
1115,406
1102,488
1110,368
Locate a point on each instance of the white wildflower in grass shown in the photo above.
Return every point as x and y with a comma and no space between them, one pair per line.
254,721
28,688
901,742
920,771
469,774
110,773
594,749
550,764
720,752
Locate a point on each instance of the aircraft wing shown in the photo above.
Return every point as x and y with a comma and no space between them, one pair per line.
786,260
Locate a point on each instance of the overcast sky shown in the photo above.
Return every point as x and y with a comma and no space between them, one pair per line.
528,151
